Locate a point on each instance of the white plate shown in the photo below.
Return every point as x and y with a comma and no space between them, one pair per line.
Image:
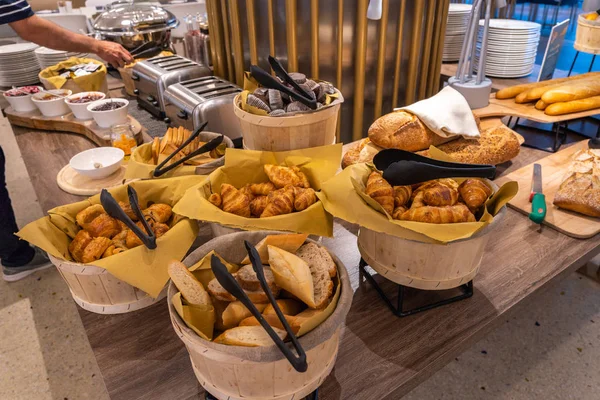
457,7
18,48
511,24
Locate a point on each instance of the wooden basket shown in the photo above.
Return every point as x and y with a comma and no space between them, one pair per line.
96,290
587,38
248,373
301,131
425,266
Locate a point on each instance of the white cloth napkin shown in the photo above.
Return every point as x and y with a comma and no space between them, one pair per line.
447,114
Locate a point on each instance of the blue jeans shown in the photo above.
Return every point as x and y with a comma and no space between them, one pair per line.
13,252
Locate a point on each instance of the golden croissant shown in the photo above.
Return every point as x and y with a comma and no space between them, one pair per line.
87,215
95,249
262,189
380,191
303,179
282,176
304,198
398,211
474,193
258,205
215,199
439,215
78,245
440,195
103,225
279,202
402,195
234,201
158,212
246,191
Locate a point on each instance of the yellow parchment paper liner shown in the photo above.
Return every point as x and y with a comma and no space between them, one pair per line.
140,267
344,197
140,166
246,166
201,319
88,83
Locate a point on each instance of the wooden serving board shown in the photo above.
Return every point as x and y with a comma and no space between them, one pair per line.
508,107
68,123
553,172
72,182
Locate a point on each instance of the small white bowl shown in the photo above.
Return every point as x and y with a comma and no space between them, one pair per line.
98,163
54,107
106,119
21,103
80,110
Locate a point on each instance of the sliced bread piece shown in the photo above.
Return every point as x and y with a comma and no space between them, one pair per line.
273,321
292,274
249,281
218,292
314,254
249,336
236,312
191,289
287,307
288,242
320,269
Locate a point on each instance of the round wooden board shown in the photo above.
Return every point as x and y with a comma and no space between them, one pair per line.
72,182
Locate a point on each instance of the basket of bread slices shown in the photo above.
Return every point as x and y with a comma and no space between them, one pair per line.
147,157
260,190
419,232
242,301
113,258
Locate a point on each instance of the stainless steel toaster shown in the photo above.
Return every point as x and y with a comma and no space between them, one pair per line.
153,76
193,102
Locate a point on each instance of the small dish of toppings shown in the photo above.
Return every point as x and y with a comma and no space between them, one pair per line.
109,112
79,102
52,102
22,91
20,98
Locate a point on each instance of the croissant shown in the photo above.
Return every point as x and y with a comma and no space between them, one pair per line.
87,215
304,198
402,195
380,191
474,193
418,201
282,176
103,225
234,201
78,245
158,212
215,199
279,202
439,215
398,211
303,179
95,249
439,195
258,205
120,238
246,191
128,210
262,189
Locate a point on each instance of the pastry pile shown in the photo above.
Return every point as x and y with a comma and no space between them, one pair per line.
288,190
162,148
441,201
102,236
300,275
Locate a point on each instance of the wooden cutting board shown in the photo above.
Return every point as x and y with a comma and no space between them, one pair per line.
553,172
508,107
72,182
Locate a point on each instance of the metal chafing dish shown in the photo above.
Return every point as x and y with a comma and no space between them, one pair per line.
195,101
132,25
153,76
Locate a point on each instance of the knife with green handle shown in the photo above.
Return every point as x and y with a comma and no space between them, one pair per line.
537,198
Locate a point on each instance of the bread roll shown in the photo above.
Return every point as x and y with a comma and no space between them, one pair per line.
292,274
191,289
573,106
249,336
513,91
569,92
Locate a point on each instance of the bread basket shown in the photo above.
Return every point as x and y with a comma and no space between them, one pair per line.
235,372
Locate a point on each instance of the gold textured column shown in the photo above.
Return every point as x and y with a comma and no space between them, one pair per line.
340,56
438,48
251,31
227,34
217,50
271,28
359,76
415,46
427,48
314,38
381,58
290,22
398,59
236,41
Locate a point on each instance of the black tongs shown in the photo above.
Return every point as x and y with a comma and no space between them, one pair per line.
405,168
267,80
146,50
205,148
232,286
112,208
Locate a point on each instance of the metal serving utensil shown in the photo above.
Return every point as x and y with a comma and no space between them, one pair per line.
284,76
267,80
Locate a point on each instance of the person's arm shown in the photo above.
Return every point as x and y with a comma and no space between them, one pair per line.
48,34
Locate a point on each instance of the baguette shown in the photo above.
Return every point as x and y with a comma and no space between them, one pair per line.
582,90
292,274
235,312
256,296
322,268
274,321
249,336
573,106
249,281
540,105
513,91
288,242
191,289
537,93
287,306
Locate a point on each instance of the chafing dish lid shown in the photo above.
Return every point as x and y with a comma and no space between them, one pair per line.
133,19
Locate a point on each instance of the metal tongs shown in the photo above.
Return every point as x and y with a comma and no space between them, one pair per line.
232,286
267,80
112,208
205,148
146,50
405,168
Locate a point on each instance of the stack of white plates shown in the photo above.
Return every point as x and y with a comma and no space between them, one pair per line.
18,65
512,47
456,28
48,57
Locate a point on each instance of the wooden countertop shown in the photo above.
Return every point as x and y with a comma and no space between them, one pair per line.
381,356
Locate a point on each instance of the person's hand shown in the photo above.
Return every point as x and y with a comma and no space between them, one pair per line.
113,53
